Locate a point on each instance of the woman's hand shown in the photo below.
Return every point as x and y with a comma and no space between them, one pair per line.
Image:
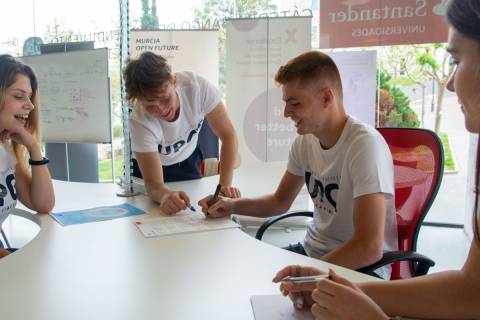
21,136
338,298
4,136
299,293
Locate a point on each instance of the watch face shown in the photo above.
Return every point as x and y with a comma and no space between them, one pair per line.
3,191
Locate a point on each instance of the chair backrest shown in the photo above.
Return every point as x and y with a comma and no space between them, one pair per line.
418,167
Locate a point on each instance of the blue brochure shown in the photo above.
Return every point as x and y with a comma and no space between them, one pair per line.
96,214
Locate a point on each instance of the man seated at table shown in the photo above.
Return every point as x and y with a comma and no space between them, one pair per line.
346,165
168,112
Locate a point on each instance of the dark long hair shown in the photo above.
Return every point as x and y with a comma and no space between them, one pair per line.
464,17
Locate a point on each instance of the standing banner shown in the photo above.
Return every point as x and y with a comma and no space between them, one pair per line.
256,48
185,50
364,23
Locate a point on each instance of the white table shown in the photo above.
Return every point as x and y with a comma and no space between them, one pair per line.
108,270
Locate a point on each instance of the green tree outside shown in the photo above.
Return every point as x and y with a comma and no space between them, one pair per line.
149,18
394,107
417,64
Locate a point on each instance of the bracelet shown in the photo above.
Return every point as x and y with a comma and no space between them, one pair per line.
44,160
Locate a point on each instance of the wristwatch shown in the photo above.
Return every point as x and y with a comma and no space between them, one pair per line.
44,160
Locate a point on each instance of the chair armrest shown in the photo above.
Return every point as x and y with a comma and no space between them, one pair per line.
275,219
421,262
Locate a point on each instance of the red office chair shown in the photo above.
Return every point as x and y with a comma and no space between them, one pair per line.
418,168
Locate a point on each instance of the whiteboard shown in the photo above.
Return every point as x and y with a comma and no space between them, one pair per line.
74,95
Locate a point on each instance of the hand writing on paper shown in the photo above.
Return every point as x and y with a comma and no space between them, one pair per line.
338,298
175,201
221,208
299,293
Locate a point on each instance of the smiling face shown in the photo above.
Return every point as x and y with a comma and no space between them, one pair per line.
306,106
163,104
465,80
16,105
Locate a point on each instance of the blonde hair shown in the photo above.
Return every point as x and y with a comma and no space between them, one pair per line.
10,69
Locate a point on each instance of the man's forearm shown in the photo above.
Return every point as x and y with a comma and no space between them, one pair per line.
228,154
156,191
355,254
261,207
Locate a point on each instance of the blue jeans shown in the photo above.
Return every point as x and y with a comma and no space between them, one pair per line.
8,249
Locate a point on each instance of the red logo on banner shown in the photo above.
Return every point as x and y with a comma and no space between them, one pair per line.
364,23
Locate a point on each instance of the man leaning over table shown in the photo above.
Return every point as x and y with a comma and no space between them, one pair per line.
168,112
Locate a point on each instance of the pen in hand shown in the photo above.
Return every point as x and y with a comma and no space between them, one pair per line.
306,279
215,195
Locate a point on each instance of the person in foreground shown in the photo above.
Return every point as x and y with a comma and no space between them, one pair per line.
346,165
168,112
23,171
443,295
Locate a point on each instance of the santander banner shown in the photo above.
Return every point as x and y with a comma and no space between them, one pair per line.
363,23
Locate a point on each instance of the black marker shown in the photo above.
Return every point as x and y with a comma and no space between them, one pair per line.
215,195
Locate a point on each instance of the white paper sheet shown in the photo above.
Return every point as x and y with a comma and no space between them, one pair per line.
187,223
277,307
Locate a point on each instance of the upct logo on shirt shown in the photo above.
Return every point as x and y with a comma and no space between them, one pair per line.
179,144
7,188
322,192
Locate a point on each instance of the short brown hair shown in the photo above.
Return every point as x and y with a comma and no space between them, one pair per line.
311,66
144,75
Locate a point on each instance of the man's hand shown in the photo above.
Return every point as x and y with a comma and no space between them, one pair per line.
221,208
175,201
230,192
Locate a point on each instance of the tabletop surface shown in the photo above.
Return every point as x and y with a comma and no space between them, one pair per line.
108,270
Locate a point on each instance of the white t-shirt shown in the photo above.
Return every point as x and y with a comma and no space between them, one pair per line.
360,163
175,140
8,197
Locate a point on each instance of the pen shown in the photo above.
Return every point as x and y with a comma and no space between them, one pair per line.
306,278
215,195
193,209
